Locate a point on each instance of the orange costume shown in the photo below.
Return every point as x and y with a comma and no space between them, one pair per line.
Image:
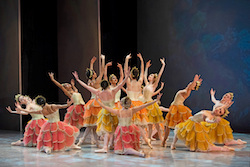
139,118
92,109
56,135
177,112
75,112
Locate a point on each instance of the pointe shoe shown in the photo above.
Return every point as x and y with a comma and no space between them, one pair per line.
17,143
75,147
101,151
173,147
80,142
47,150
142,154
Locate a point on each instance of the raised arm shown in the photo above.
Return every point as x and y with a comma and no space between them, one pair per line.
51,75
148,64
186,92
118,87
159,90
102,68
92,61
160,72
212,93
135,109
142,68
60,106
27,109
91,89
114,111
16,112
126,64
106,70
121,73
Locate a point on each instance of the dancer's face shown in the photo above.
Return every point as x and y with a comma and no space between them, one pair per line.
67,86
23,99
94,75
219,111
151,77
113,80
226,97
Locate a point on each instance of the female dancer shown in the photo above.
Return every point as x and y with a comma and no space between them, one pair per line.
114,81
178,112
194,134
153,111
54,134
75,112
221,132
133,91
33,127
92,108
106,122
127,134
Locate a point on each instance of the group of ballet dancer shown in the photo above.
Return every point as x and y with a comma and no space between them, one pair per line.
122,122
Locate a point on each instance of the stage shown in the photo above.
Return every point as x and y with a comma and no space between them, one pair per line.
158,156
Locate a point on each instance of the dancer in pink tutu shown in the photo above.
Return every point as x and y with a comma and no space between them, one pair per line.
33,127
54,134
127,135
75,112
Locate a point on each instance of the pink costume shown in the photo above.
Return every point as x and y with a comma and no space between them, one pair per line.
75,112
56,135
127,136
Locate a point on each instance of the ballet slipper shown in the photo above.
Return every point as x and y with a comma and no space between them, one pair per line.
142,154
80,142
75,147
17,143
103,150
47,150
173,147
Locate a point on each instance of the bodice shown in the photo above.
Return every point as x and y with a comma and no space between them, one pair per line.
77,98
147,93
37,116
110,103
35,107
198,117
126,121
117,95
93,95
134,96
54,117
178,99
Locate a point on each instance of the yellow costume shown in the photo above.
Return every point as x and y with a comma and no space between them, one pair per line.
106,122
177,112
194,134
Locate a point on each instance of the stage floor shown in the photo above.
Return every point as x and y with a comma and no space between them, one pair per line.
158,156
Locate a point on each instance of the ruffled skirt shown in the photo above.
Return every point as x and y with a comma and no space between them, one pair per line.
92,109
154,114
74,116
57,136
139,118
220,132
194,135
126,137
32,130
106,122
176,115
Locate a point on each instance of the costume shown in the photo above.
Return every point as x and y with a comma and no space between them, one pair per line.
106,122
117,97
177,112
75,112
92,109
219,132
56,135
194,134
139,118
153,111
126,136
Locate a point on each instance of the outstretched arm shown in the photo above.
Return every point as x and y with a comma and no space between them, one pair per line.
91,89
164,109
188,89
212,93
118,87
135,109
142,68
121,73
126,64
114,111
51,75
160,73
16,112
148,64
60,106
159,90
106,70
27,110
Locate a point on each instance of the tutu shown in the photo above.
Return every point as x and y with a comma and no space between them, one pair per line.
75,116
126,137
194,135
92,109
32,130
220,132
154,114
176,115
140,117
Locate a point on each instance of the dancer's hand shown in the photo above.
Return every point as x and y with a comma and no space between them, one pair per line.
162,84
162,61
75,74
109,64
159,96
148,64
69,102
9,109
139,55
72,81
129,56
51,75
92,61
212,92
119,65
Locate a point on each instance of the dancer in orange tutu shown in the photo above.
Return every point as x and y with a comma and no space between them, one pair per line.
133,91
33,127
221,132
106,122
54,134
92,108
178,112
194,134
127,134
153,111
75,112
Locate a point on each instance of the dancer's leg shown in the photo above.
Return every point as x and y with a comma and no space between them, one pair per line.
166,134
145,137
159,131
150,127
235,142
95,136
86,132
131,151
174,142
105,144
218,148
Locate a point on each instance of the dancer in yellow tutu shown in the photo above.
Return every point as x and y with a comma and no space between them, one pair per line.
106,123
221,132
153,111
195,135
178,112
